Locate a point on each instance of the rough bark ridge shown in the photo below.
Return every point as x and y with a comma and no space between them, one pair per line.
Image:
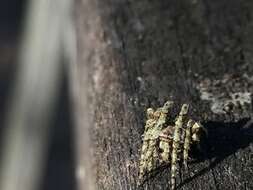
139,54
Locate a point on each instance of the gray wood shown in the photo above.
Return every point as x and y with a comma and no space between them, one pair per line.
137,54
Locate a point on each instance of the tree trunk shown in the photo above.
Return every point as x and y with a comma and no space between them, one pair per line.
137,54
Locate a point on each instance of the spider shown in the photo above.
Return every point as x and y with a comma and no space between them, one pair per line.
168,142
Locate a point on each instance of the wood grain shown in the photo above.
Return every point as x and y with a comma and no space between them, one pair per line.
137,54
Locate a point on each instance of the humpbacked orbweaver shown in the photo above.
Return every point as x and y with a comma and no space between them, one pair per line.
166,141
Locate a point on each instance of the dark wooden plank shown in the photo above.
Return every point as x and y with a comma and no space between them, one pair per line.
138,54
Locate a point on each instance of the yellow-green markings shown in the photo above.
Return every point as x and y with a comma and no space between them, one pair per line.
167,143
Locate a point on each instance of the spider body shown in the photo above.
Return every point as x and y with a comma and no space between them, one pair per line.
165,143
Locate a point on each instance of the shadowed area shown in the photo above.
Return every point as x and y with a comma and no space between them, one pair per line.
224,139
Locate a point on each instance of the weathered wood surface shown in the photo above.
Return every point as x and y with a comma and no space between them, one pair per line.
137,54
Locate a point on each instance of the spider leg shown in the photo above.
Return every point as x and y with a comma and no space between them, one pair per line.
143,162
165,145
150,113
176,143
146,152
150,152
155,153
163,112
187,142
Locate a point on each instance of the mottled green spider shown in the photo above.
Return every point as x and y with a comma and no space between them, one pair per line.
166,143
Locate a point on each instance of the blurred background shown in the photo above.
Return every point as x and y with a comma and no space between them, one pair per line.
57,171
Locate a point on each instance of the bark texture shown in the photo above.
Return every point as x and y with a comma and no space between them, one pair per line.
137,54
